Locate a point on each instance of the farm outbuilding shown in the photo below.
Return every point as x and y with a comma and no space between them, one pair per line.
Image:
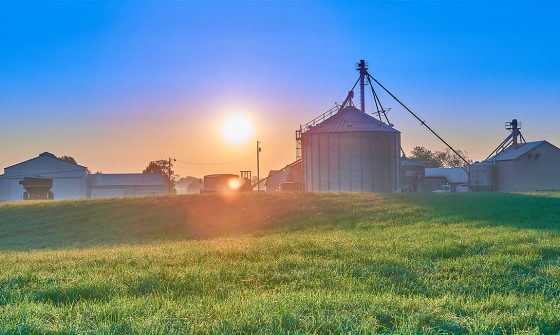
274,179
435,178
525,167
288,177
188,185
68,180
412,175
59,179
351,151
482,177
125,185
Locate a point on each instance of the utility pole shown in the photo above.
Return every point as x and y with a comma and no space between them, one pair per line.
258,167
169,174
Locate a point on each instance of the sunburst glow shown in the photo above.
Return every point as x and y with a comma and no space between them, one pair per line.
234,184
236,129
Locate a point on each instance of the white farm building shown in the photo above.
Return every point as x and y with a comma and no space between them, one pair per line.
71,181
525,167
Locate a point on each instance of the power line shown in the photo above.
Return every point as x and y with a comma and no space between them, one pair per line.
277,146
217,163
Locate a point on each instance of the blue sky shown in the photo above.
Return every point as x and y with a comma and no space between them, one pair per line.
119,83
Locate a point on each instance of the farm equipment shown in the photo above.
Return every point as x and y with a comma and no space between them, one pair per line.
225,183
37,188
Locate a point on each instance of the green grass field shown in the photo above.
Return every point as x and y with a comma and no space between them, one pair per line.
282,263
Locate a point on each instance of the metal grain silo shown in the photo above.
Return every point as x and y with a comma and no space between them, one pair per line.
482,177
351,151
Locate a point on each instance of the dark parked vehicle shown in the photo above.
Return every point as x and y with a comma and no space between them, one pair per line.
37,188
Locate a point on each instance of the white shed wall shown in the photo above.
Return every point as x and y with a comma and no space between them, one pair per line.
3,188
63,188
69,180
126,185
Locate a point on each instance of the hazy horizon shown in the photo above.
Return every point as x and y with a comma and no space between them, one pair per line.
119,84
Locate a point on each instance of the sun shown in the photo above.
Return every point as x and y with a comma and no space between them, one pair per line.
236,129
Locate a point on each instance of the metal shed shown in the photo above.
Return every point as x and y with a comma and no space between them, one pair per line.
527,167
68,179
125,185
435,178
72,181
274,179
351,151
412,175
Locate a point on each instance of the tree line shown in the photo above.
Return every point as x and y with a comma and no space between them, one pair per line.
439,159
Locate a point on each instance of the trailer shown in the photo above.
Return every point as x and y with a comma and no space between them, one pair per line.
37,188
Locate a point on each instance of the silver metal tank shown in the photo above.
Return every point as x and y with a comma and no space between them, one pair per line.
482,177
412,175
351,152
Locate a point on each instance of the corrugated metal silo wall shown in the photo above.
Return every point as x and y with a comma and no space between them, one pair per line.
482,177
351,162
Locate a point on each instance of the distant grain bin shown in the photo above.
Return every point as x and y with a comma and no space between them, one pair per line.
412,175
482,177
351,151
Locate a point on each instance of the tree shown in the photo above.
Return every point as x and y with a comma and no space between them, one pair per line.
451,159
429,158
68,159
165,167
71,160
437,159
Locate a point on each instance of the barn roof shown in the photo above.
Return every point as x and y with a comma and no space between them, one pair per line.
350,119
405,161
44,154
512,153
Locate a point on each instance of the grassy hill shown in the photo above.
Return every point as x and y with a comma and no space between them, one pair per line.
282,263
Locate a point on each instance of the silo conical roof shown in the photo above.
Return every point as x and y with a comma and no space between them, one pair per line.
350,119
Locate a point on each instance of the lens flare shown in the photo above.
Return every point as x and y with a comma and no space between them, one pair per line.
234,183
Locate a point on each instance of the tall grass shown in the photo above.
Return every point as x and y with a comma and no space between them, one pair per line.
282,263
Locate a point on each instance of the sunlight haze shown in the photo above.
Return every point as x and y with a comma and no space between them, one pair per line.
118,84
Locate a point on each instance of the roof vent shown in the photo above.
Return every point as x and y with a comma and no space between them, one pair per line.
47,154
